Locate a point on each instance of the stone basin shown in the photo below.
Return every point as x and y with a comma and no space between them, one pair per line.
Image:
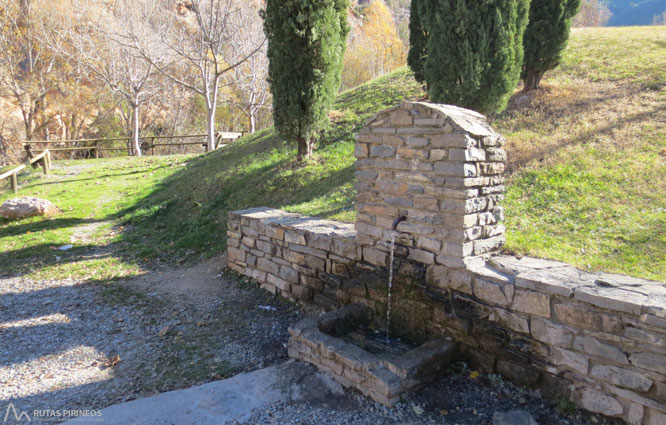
383,375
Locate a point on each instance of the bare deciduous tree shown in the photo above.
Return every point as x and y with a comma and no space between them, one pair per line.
100,44
26,65
592,13
250,79
204,36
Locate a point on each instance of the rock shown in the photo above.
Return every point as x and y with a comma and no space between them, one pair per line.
27,207
514,417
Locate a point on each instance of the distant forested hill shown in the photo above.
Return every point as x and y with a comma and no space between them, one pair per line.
634,12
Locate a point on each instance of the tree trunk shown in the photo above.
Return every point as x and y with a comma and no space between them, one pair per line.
136,145
253,122
305,148
210,131
532,80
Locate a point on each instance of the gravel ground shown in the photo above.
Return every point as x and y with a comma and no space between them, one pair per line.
75,345
454,399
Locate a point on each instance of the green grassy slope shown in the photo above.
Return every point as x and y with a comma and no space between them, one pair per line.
586,181
189,210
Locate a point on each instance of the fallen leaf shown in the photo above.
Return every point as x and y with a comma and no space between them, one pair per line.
113,361
474,374
418,410
443,412
163,331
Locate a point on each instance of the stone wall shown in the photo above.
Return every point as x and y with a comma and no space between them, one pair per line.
441,167
599,339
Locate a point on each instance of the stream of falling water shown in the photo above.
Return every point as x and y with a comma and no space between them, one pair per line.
390,285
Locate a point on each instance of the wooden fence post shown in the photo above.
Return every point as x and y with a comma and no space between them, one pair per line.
96,149
14,183
152,146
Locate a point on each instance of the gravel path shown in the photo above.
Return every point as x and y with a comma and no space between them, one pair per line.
73,345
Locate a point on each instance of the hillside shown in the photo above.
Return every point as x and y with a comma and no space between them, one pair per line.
634,12
586,183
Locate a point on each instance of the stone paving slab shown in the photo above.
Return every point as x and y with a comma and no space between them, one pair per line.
232,400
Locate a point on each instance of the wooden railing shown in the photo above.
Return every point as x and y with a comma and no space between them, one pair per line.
44,157
97,145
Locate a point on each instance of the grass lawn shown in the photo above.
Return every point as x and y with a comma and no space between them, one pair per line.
586,182
92,196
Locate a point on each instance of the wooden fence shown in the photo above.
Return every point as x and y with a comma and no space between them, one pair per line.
44,158
98,145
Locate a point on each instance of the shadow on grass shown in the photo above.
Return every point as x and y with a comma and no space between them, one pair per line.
21,261
42,225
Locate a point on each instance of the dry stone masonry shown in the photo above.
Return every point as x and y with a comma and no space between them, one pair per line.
597,338
441,167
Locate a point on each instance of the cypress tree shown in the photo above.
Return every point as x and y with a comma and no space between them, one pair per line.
546,37
418,42
474,52
306,46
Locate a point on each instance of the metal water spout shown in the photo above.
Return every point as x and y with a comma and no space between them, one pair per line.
397,221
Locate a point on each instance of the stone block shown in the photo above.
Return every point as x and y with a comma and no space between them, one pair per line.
289,274
257,275
492,168
236,254
402,117
421,256
417,141
649,361
483,246
551,333
583,317
279,283
597,348
428,204
622,377
361,150
655,417
455,169
598,402
489,292
570,359
268,266
375,256
469,154
532,303
410,153
635,414
438,154
612,298
452,140
248,242
458,249
382,151
292,237
429,244
512,321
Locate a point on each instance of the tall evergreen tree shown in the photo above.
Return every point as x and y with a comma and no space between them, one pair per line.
306,46
418,42
474,52
546,37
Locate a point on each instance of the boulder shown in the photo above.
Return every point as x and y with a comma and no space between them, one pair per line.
27,207
514,417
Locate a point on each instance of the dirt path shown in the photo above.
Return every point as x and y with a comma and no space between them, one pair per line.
75,345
